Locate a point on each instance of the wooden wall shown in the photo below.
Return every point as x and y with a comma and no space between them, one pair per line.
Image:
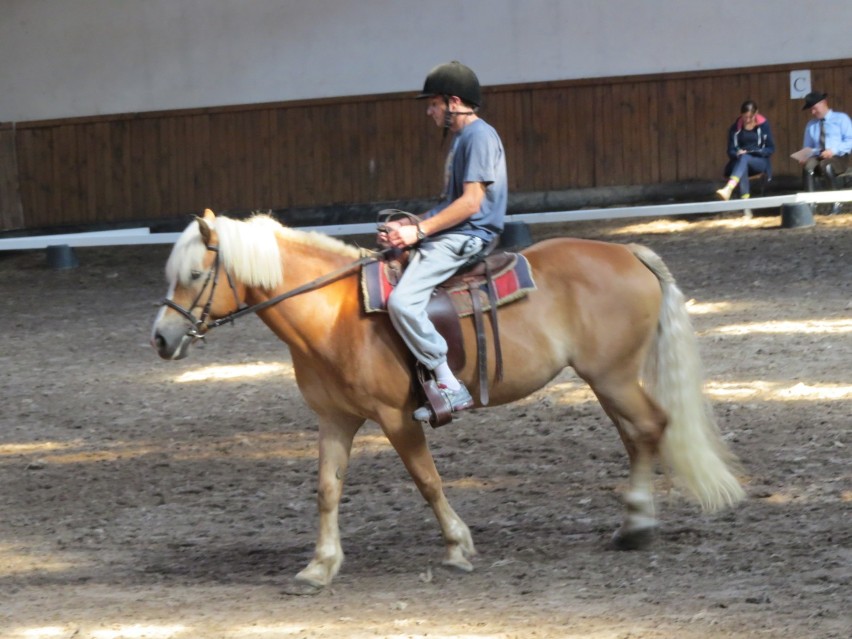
649,129
558,135
11,213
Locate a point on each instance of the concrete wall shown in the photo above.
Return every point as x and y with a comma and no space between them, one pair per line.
64,58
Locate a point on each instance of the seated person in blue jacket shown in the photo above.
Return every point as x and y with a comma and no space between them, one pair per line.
750,144
829,135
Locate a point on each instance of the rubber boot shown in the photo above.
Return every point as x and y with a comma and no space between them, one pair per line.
810,181
831,177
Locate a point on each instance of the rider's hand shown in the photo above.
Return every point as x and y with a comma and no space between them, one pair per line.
383,237
398,234
403,236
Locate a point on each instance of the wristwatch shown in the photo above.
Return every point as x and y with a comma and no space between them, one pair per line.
420,234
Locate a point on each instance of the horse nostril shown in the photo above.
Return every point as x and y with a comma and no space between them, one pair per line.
158,342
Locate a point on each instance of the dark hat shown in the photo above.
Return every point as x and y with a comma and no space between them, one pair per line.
453,78
812,98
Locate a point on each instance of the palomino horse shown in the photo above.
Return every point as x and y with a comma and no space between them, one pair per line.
612,312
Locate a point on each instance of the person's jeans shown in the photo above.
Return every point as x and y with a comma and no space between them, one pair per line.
434,261
746,165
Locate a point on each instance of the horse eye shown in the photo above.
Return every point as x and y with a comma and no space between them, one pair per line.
194,275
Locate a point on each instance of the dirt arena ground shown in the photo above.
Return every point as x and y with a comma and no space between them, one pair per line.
141,498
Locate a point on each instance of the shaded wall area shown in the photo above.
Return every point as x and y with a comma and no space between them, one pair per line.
348,154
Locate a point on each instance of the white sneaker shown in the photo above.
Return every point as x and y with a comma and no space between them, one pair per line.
457,399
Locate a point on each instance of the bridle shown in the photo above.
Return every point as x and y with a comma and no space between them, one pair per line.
199,326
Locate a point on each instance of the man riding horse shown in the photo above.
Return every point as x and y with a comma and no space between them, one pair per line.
466,223
612,312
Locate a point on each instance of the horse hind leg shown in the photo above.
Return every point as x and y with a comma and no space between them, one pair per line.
640,423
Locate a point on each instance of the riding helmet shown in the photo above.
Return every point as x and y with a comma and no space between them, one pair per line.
453,78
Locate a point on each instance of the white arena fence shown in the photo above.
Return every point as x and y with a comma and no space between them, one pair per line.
123,237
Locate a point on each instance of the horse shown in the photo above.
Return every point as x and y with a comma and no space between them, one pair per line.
613,312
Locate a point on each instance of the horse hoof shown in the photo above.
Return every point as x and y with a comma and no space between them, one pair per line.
637,539
459,564
300,588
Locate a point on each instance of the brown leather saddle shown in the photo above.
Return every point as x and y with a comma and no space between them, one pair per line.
489,279
476,289
473,280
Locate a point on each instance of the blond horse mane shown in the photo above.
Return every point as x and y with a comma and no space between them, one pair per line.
248,249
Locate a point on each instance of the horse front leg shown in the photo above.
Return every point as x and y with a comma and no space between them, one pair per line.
335,445
409,441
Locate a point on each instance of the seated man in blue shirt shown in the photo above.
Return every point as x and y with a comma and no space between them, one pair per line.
829,134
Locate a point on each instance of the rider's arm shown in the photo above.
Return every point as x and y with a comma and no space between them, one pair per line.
460,209
402,233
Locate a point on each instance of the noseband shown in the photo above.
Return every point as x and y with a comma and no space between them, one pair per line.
199,326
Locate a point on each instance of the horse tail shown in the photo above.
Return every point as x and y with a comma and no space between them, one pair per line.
692,446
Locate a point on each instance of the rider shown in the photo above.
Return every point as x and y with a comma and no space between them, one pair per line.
469,216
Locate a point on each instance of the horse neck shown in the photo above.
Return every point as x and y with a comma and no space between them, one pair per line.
304,321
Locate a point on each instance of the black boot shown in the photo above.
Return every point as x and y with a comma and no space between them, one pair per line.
831,176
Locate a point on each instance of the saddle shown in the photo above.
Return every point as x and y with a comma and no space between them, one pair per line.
495,280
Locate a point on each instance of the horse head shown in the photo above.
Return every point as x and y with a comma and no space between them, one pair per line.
195,298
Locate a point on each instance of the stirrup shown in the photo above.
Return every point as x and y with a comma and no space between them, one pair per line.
439,407
452,401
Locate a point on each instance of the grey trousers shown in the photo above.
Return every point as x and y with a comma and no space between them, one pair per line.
829,169
432,262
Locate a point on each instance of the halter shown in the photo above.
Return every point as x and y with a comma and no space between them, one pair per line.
200,327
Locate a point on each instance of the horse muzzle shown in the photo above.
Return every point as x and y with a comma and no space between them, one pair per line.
171,339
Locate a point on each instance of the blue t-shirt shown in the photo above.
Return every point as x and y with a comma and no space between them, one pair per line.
477,155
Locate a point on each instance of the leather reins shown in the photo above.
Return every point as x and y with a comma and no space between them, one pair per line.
199,327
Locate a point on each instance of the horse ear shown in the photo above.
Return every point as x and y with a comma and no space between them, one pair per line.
204,228
204,225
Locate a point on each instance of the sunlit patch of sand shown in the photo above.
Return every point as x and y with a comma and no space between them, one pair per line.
709,308
138,631
777,391
36,448
245,445
237,372
811,326
666,225
15,560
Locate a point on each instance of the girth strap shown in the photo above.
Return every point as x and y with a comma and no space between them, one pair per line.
479,327
481,347
495,329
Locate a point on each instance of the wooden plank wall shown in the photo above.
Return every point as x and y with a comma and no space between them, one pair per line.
364,149
11,211
649,129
